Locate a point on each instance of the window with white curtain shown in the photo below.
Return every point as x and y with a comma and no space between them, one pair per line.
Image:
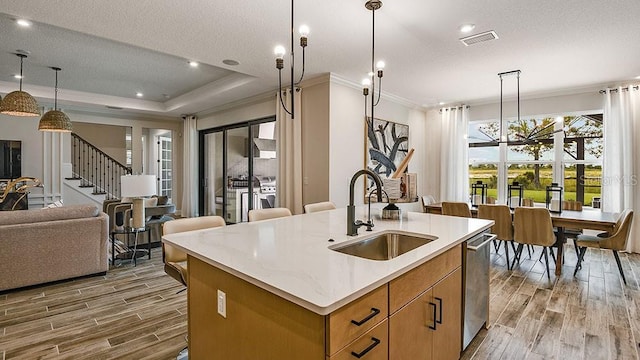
536,151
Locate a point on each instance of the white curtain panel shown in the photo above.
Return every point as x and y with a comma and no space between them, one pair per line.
190,167
289,189
454,161
619,180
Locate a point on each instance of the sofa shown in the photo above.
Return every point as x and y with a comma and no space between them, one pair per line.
45,245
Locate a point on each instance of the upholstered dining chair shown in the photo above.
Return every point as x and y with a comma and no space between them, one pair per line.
264,214
460,209
533,226
615,242
175,260
503,227
319,206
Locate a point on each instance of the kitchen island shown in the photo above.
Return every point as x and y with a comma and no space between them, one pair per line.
275,290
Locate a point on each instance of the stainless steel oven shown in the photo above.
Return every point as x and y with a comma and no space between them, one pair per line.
476,285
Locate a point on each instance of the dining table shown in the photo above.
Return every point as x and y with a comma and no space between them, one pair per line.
588,218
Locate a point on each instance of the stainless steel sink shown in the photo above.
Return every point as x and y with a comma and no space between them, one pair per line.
384,246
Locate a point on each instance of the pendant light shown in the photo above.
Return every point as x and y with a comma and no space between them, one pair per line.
55,120
19,103
376,68
280,51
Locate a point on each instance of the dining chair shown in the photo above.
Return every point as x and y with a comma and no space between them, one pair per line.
319,206
264,214
460,209
503,227
570,233
533,226
426,201
615,242
175,260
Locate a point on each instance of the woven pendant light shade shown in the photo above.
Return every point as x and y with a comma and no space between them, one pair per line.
55,120
19,103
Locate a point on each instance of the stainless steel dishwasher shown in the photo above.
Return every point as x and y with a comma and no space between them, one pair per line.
476,285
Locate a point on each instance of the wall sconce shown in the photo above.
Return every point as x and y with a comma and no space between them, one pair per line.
478,193
515,194
554,198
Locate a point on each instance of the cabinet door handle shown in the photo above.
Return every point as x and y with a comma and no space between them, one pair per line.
439,310
365,351
374,312
433,306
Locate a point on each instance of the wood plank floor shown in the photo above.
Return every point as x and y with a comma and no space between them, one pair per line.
130,313
135,313
591,316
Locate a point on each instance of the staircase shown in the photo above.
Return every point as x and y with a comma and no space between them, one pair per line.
94,174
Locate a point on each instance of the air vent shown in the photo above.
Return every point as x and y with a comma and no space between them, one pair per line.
113,107
474,39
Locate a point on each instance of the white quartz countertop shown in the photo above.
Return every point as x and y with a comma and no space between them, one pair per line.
291,258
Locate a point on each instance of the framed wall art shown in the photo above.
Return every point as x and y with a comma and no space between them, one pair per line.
386,146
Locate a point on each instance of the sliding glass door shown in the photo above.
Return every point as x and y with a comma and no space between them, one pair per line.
238,169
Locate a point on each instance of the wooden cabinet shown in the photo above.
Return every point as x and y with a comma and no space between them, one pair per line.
415,316
429,326
354,319
372,345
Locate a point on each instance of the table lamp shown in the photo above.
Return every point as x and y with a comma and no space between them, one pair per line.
137,187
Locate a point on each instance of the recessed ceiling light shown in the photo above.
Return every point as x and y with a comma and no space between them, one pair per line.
230,62
18,76
23,22
441,103
139,94
467,28
193,63
638,77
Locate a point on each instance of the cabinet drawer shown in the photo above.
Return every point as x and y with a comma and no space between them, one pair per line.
373,345
356,318
406,287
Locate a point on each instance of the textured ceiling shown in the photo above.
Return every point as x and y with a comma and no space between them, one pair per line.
110,49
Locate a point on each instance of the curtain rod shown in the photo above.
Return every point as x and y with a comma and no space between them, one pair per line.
456,107
616,89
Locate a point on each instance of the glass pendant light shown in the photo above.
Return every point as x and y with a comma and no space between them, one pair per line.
55,120
19,103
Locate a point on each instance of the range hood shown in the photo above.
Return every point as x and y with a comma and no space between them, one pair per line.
265,147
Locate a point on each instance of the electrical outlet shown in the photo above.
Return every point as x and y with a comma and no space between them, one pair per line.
222,304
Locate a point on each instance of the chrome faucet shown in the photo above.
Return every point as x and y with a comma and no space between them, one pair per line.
352,223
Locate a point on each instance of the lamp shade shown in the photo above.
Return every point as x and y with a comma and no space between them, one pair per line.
19,103
137,185
55,120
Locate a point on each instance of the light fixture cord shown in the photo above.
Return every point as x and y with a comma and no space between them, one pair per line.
500,134
518,97
302,74
373,54
21,58
55,96
280,93
292,113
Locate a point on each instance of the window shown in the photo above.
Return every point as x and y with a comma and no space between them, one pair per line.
537,151
582,157
484,155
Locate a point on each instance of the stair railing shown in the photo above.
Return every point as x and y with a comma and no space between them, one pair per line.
95,169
